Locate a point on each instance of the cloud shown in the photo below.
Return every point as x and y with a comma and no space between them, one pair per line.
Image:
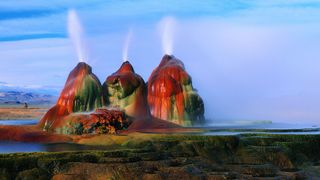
39,4
23,19
19,14
32,36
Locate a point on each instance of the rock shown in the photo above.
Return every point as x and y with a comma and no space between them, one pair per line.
126,91
171,95
82,92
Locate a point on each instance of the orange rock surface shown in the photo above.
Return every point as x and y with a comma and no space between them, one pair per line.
30,134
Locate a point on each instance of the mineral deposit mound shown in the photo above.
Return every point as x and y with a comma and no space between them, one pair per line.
171,95
82,92
126,90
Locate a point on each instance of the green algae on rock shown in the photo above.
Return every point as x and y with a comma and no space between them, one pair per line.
126,91
89,96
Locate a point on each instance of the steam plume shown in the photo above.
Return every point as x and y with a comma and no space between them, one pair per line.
126,46
75,31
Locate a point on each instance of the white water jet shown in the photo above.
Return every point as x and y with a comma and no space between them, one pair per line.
167,25
126,46
76,35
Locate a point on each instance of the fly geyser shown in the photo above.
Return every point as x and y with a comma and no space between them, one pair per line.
171,95
123,98
82,92
126,90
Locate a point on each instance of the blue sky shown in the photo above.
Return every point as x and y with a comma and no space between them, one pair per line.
255,60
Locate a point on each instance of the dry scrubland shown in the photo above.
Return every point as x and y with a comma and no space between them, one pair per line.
19,112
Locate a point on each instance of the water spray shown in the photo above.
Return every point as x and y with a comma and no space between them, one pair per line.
75,31
167,25
126,46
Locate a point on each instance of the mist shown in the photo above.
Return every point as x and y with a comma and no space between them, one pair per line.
242,71
253,72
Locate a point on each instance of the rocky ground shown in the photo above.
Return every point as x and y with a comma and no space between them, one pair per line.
159,156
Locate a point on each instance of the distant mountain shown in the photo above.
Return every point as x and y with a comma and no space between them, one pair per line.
6,87
34,95
20,97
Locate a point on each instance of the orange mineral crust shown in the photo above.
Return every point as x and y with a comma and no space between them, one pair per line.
101,121
30,134
82,92
126,91
171,95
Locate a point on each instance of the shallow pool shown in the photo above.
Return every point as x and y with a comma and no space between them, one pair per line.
19,122
232,132
16,147
218,130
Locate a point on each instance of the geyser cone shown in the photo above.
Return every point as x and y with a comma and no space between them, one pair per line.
82,92
126,90
171,95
